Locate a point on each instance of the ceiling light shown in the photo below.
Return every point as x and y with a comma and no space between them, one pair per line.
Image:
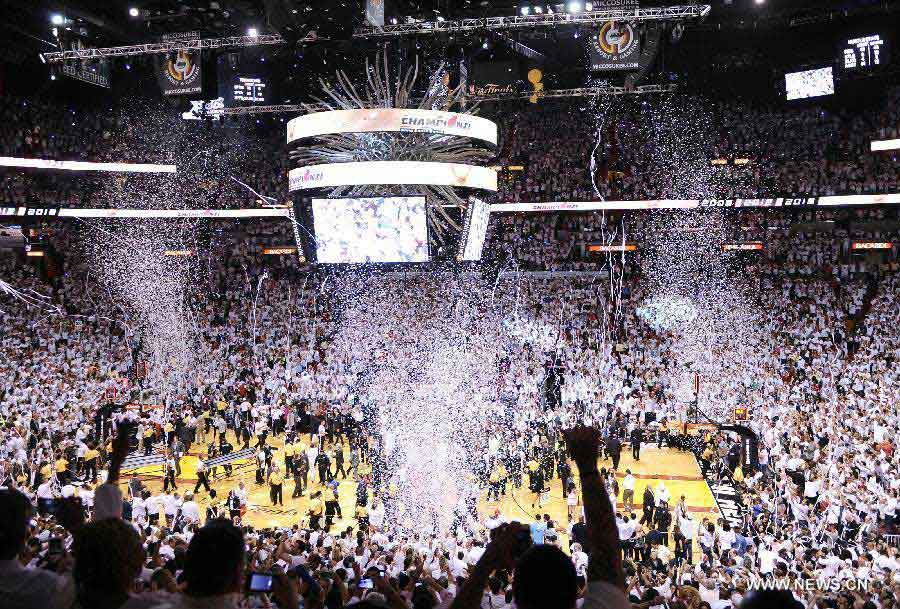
760,1
57,19
574,7
134,12
252,32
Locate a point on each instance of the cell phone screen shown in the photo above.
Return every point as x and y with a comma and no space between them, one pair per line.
260,582
366,584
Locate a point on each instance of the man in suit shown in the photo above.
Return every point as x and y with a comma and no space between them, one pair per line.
614,446
649,506
301,470
637,436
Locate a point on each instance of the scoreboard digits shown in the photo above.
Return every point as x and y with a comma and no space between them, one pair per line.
865,52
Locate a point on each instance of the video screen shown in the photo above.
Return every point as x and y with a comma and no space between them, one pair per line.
382,229
811,83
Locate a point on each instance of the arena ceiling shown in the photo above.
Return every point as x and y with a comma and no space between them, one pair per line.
112,22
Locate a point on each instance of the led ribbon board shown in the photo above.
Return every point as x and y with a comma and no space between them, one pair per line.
8,161
392,173
397,120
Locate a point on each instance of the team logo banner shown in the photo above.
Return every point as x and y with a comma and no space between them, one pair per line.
615,46
392,172
391,120
180,74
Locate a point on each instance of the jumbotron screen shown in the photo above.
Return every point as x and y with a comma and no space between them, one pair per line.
811,83
382,229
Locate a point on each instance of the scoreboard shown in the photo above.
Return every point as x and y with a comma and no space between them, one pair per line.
864,52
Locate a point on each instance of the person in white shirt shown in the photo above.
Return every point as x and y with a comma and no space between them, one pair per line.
628,490
189,509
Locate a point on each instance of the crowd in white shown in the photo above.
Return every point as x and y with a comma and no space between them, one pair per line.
821,387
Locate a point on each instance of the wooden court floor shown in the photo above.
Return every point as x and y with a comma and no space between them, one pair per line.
677,470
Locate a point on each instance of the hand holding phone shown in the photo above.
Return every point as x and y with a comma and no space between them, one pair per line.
259,583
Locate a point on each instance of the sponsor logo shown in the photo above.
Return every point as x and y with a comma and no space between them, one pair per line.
870,245
729,502
415,123
492,89
307,178
182,70
614,40
742,247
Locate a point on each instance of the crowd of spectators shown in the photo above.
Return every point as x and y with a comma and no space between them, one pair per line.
580,150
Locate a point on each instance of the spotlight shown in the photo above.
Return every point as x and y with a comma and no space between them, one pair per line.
134,12
252,32
440,19
525,10
574,7
57,19
393,21
538,10
484,44
588,6
760,1
53,77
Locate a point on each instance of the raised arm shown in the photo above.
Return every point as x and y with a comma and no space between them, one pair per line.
605,563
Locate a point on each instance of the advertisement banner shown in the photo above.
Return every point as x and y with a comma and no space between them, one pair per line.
179,73
392,172
474,230
615,46
391,120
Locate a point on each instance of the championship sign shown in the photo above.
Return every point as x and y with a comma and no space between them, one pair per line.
615,46
180,74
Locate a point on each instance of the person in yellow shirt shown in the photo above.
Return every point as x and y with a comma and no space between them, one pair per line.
497,481
62,470
46,472
91,459
362,517
315,511
148,439
288,458
276,481
168,430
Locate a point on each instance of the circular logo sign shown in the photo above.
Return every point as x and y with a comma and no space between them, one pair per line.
614,39
182,70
